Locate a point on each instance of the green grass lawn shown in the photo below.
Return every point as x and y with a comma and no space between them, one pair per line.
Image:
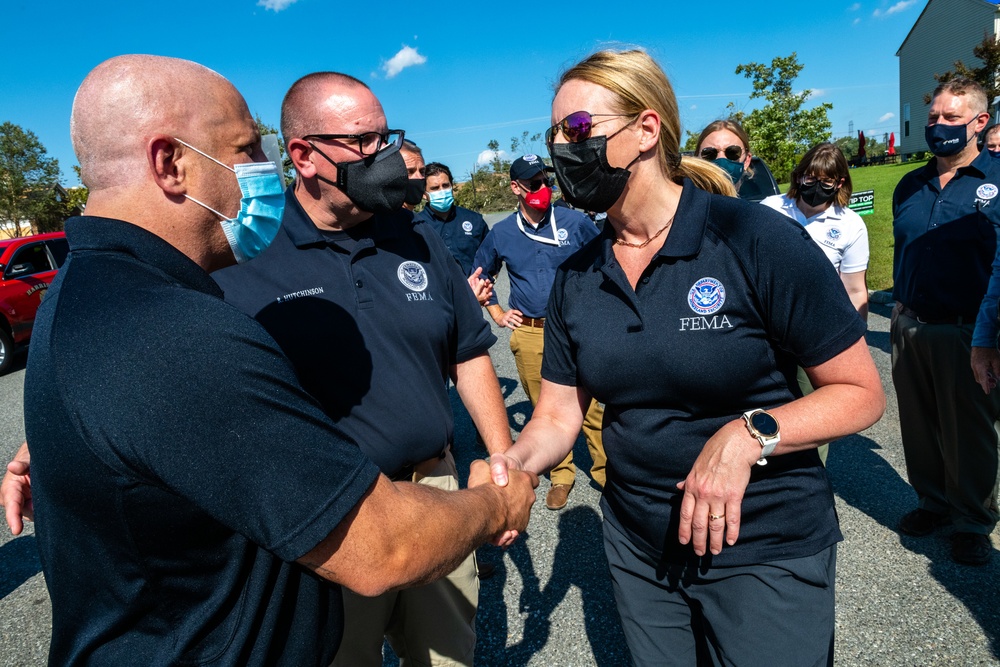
882,180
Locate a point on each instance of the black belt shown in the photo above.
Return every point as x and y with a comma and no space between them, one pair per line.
405,474
958,320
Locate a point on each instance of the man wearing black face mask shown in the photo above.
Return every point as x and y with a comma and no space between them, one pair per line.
533,242
946,224
413,157
375,315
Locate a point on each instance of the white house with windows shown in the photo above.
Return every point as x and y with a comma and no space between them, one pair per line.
945,31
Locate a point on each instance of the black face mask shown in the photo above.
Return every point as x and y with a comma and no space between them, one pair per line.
414,190
586,179
817,194
375,183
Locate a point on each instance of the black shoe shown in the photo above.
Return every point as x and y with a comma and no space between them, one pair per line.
971,549
486,570
921,522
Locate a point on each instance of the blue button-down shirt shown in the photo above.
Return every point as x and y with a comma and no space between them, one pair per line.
531,264
946,244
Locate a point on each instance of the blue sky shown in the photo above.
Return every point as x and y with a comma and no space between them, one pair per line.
455,75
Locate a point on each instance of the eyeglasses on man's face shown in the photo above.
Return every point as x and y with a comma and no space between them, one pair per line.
367,143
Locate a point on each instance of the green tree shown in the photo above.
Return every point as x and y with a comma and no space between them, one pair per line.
988,53
525,144
783,129
28,179
78,194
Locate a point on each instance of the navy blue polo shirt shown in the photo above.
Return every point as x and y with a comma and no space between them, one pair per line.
372,319
946,243
531,264
178,468
462,230
736,298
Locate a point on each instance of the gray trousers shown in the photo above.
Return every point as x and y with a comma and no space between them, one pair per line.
949,426
775,614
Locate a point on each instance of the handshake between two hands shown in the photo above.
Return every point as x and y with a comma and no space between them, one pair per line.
517,487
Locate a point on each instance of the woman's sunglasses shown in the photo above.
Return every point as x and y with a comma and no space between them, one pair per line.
576,126
733,153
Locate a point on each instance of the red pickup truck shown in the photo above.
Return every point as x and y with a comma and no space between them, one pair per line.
27,266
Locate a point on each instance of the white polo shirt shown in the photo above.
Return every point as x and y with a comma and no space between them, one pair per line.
840,232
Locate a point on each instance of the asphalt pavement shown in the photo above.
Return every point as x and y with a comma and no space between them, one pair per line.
900,600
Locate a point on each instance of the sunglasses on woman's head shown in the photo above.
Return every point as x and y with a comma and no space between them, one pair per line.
576,126
732,153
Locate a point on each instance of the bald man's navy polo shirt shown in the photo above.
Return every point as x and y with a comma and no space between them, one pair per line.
461,230
532,263
946,243
178,468
736,298
372,319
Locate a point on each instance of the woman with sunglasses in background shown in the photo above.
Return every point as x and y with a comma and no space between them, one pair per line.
687,318
724,143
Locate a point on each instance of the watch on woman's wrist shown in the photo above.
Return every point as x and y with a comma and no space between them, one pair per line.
763,426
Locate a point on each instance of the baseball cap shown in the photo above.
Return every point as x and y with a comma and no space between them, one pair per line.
527,166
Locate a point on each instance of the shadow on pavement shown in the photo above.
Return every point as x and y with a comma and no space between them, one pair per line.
18,563
578,561
864,480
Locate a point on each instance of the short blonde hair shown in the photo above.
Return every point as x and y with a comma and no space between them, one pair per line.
638,83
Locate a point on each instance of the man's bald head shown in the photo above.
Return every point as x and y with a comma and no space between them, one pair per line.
126,100
310,101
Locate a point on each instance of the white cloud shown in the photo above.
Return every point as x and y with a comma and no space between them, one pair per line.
487,156
817,92
693,107
855,7
856,21
886,116
407,57
900,6
275,5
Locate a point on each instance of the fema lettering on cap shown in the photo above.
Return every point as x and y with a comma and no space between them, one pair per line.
526,166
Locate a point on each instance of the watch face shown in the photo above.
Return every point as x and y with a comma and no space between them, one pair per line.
765,424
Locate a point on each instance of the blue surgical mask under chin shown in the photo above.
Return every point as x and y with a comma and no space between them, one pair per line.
734,169
441,200
261,207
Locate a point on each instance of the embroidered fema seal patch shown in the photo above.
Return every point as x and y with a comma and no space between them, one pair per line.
467,226
706,296
833,233
987,191
413,276
562,234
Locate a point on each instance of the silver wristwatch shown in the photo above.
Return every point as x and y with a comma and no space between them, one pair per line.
763,426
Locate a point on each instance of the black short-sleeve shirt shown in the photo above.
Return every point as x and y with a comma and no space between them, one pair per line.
736,298
178,468
371,318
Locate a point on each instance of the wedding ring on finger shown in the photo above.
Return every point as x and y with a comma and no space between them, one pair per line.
713,517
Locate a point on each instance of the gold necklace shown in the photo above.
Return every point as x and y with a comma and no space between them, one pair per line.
647,241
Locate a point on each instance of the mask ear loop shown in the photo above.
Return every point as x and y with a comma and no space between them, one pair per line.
202,153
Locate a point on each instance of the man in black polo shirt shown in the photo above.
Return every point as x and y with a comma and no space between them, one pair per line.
946,223
192,501
462,230
375,316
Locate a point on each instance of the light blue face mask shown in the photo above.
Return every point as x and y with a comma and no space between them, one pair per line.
261,207
441,200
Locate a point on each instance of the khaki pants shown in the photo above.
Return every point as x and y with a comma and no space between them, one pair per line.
434,624
949,426
527,344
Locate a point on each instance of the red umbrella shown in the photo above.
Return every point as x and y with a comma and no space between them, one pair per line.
892,143
861,144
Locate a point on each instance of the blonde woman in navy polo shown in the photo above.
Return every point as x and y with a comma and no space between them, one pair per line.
687,318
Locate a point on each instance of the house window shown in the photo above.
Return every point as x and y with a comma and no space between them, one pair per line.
906,119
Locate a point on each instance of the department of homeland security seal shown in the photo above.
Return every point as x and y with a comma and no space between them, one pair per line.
833,233
987,191
413,276
467,226
706,296
562,234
